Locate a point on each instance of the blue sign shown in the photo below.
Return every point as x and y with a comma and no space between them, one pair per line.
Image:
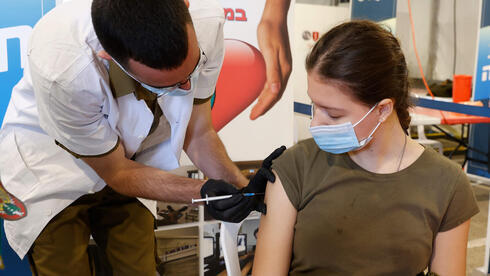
17,18
482,76
375,10
479,137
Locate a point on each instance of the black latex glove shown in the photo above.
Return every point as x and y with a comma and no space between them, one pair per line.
259,181
233,209
238,207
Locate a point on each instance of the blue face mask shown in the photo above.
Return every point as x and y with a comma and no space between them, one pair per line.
340,138
174,90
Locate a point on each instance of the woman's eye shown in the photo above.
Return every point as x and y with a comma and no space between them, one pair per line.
335,116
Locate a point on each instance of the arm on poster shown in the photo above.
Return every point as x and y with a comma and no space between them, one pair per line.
273,39
275,235
205,149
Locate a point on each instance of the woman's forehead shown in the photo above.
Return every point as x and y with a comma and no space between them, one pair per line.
330,93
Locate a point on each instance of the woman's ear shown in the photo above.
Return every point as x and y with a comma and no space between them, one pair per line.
385,108
187,3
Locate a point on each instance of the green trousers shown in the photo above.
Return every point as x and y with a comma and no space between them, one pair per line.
121,227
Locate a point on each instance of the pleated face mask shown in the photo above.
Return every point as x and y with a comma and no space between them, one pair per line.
174,90
340,138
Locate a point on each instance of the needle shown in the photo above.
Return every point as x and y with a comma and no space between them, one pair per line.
213,198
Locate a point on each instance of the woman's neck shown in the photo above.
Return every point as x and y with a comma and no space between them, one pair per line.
389,151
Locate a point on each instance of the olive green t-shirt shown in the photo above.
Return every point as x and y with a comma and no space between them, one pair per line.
354,222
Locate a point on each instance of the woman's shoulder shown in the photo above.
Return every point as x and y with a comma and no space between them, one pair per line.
305,147
431,160
293,168
302,151
450,184
438,171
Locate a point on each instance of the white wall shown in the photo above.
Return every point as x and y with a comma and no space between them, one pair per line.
422,13
467,26
309,18
434,36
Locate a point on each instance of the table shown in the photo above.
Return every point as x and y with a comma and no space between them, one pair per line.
466,116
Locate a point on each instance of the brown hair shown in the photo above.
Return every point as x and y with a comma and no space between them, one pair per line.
367,59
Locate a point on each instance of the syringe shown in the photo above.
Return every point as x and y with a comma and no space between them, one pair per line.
213,198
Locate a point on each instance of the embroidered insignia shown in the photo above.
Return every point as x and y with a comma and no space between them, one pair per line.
11,208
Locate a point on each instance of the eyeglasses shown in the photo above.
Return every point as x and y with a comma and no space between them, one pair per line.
165,90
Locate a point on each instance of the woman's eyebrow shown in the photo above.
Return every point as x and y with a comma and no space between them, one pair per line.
330,107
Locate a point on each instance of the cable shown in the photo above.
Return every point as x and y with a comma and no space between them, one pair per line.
454,38
418,58
416,52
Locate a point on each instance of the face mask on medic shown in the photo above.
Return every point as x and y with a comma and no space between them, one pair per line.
173,90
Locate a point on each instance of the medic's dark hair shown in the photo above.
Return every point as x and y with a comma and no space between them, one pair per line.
368,60
152,32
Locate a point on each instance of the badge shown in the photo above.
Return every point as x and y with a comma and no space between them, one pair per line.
11,208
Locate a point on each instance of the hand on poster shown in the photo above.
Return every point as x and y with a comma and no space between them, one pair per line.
239,205
273,39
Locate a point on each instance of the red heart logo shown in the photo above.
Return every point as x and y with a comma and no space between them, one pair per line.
240,82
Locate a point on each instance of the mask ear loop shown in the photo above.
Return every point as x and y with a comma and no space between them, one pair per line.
370,136
312,110
372,108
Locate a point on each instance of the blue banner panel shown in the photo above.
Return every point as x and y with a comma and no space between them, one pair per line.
479,139
482,75
483,111
17,18
375,10
485,12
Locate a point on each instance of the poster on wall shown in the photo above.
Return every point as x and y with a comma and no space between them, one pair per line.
241,81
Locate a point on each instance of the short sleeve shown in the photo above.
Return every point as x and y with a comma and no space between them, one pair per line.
462,205
72,113
210,35
289,167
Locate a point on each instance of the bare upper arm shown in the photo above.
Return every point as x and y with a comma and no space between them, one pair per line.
199,123
449,252
276,231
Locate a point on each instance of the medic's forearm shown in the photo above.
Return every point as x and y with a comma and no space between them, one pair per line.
133,179
152,183
208,153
